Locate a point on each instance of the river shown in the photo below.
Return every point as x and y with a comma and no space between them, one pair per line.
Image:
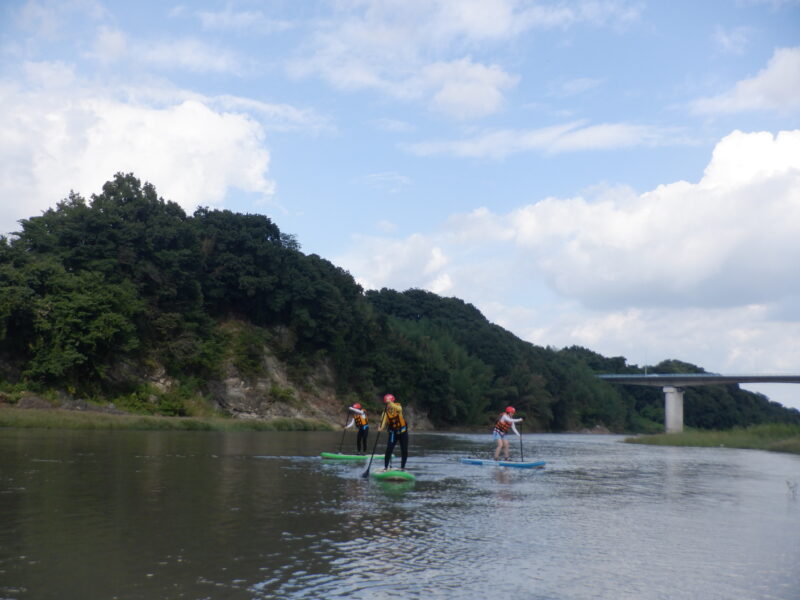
163,515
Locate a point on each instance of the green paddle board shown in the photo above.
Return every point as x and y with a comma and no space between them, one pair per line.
337,456
393,475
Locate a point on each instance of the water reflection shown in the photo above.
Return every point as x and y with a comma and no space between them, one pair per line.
209,515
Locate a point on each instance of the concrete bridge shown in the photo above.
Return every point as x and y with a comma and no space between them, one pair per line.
673,384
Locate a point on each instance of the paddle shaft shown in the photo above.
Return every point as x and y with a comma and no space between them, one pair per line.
365,474
521,455
346,416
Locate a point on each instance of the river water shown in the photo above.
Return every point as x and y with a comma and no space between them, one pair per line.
152,515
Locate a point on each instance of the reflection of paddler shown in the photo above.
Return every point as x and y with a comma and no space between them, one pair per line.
501,476
359,418
501,427
394,421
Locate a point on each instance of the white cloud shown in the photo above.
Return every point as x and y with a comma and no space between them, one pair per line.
76,139
109,46
420,51
573,87
464,89
732,238
112,45
159,93
390,182
386,226
568,137
189,54
403,263
394,125
775,4
441,285
459,88
51,75
774,88
734,40
53,19
703,272
229,20
281,117
501,19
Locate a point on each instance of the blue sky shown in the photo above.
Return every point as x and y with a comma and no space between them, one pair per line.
619,175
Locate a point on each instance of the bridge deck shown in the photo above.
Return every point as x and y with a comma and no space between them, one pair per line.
686,379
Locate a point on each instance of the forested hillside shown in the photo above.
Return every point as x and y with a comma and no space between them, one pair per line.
95,293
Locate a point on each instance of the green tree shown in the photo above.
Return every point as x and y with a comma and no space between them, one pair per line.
81,323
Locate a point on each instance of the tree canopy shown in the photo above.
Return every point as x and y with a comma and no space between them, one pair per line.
128,279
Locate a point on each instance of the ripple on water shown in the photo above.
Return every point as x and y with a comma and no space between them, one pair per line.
602,520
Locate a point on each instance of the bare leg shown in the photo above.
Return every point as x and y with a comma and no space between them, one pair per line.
505,450
497,450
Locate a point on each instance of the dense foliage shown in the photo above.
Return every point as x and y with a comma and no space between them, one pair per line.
92,292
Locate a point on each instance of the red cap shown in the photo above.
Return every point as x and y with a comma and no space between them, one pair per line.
388,398
357,405
511,409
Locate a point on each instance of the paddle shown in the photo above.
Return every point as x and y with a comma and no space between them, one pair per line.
365,474
521,456
346,416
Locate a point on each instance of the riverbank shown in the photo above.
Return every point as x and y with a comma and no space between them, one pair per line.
71,419
772,437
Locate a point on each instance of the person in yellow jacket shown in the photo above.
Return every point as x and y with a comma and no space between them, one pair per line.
394,421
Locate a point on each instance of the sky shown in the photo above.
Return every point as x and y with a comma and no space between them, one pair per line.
618,175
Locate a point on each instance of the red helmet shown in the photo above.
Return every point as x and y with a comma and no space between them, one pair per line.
388,398
511,409
357,405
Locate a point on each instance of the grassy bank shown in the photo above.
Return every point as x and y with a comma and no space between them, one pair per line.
774,437
70,419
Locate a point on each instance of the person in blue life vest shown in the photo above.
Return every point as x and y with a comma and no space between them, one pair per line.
359,419
505,422
395,423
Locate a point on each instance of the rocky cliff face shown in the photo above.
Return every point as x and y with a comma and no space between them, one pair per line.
274,394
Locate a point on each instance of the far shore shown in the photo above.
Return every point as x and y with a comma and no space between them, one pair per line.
771,437
56,418
774,437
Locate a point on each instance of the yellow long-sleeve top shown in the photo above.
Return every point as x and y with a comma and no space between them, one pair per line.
393,416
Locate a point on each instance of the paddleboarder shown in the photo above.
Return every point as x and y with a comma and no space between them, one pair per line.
394,421
359,418
504,423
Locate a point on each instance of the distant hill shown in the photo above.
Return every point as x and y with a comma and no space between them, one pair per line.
126,299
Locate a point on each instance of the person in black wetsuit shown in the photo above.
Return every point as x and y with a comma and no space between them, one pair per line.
396,424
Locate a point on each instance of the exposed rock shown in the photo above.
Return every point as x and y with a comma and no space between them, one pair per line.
126,372
599,429
417,420
83,405
274,394
33,402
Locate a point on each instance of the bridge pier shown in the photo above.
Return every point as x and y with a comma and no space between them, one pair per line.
673,408
673,384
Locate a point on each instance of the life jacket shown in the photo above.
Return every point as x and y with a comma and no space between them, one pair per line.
502,426
359,420
394,417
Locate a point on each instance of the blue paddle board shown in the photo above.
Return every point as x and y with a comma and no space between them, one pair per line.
504,463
